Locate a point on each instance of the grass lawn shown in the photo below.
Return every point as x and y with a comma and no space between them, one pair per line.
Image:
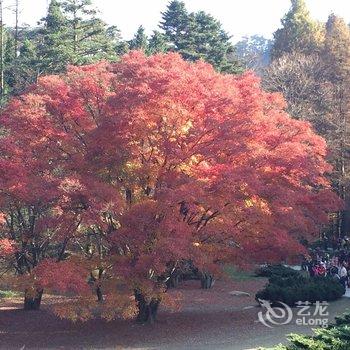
240,275
9,294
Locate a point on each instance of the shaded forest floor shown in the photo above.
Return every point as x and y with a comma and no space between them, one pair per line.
208,319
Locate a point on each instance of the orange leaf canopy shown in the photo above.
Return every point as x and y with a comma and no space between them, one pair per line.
167,160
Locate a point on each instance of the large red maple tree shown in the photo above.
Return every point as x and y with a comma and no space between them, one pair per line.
122,171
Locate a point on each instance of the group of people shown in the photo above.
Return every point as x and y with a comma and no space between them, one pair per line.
335,267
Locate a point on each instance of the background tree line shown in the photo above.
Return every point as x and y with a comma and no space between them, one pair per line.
72,33
310,65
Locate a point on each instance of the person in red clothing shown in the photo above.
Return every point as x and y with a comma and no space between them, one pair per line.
322,270
319,270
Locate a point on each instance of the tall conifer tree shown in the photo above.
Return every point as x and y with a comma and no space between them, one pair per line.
336,55
88,35
299,33
53,50
157,43
140,40
199,36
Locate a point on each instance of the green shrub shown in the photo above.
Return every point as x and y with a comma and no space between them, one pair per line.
343,319
291,290
8,294
276,270
286,281
334,337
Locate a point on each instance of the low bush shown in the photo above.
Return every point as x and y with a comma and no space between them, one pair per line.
276,270
334,337
8,294
290,290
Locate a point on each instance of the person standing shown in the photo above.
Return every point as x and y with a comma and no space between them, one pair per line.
343,274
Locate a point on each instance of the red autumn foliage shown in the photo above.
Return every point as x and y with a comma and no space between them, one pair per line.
63,277
138,165
7,247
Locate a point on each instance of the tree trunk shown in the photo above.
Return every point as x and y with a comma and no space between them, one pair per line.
99,294
16,27
147,311
343,136
173,281
32,302
207,281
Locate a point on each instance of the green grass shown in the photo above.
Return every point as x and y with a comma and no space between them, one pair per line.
239,275
8,294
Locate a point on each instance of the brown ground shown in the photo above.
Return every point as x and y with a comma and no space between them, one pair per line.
209,319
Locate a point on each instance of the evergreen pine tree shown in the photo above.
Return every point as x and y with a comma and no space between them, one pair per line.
8,59
199,36
299,33
53,51
88,35
43,50
140,40
54,20
24,70
176,24
157,43
212,44
120,46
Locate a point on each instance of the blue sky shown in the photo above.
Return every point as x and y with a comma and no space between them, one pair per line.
239,17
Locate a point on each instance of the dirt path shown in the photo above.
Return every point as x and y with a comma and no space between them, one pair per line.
199,325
